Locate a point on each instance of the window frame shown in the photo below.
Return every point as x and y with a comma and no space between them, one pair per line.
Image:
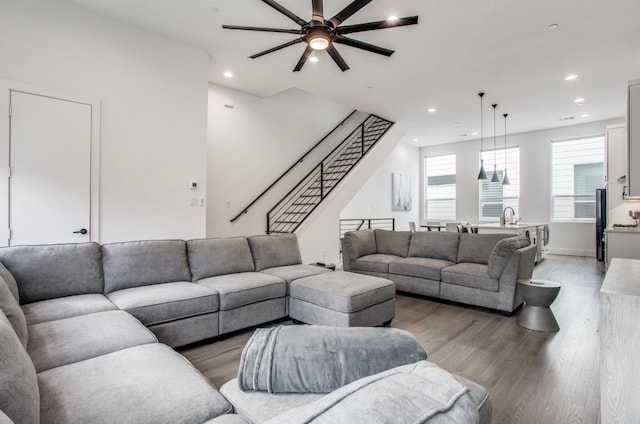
425,217
551,196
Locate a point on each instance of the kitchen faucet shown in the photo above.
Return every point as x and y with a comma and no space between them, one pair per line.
503,217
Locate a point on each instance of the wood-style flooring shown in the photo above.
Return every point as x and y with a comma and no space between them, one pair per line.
532,377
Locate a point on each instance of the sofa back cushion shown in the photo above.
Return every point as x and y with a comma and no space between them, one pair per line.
218,256
476,248
502,252
10,281
393,242
360,243
57,270
19,397
270,251
143,263
435,245
13,312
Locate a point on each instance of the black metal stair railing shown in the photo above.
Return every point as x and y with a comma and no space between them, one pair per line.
296,163
296,206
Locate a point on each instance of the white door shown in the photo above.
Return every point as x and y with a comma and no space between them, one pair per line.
50,170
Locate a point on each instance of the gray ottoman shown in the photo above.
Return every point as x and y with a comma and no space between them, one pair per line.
342,299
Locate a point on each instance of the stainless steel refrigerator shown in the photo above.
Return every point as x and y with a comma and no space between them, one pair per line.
601,222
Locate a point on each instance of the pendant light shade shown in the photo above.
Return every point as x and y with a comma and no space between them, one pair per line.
482,175
505,180
494,177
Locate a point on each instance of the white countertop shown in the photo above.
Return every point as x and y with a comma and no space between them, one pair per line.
622,230
518,226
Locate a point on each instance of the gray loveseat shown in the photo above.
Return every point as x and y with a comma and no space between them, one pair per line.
475,269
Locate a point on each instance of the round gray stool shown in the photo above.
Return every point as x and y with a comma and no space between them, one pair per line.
538,296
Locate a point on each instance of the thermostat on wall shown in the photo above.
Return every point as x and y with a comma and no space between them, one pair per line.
193,185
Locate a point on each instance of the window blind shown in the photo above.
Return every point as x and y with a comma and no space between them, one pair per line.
440,199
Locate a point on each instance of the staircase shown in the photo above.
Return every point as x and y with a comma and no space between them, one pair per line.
296,206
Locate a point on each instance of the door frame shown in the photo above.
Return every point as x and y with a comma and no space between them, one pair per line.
6,87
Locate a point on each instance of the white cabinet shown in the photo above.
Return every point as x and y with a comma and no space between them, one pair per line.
633,143
616,145
622,243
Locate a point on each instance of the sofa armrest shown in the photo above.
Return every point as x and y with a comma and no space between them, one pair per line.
520,266
346,256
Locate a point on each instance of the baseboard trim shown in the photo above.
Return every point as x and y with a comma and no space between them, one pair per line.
572,252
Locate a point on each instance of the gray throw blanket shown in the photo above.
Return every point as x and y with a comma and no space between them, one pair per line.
418,393
318,359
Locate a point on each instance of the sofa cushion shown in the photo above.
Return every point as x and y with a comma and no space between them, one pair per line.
66,307
374,263
11,309
56,343
345,292
218,256
10,281
46,272
228,419
245,288
393,242
476,248
293,272
145,384
142,263
19,396
435,244
419,267
273,251
502,252
360,243
470,275
160,303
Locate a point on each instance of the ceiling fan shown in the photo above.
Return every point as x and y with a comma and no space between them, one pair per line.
321,34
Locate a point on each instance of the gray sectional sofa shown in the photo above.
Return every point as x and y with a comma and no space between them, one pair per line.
80,324
475,269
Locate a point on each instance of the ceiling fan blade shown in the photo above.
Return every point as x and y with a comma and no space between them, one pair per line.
348,11
318,12
246,28
362,45
369,26
337,58
286,12
303,59
281,46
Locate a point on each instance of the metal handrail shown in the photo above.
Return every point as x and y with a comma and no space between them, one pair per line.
296,163
305,188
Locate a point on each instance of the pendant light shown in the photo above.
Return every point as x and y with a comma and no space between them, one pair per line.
505,180
494,178
482,175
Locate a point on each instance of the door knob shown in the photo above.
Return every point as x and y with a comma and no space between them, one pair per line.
82,231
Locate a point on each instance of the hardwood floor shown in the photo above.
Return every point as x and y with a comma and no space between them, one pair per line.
533,377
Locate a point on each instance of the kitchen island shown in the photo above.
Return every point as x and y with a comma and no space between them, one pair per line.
534,231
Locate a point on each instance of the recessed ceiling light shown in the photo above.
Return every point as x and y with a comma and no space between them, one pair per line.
570,77
432,110
228,74
313,59
392,18
584,115
579,100
415,140
474,133
553,26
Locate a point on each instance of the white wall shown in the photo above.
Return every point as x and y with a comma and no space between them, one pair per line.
153,95
373,200
535,186
252,144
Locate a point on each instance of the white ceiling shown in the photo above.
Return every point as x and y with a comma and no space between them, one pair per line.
458,48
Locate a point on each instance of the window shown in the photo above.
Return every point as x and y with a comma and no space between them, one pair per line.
577,170
440,176
494,197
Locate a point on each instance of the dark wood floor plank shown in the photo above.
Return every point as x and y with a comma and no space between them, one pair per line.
533,377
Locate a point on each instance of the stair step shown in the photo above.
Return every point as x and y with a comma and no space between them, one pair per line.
286,222
310,195
294,213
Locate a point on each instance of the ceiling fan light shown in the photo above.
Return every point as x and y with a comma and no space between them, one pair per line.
319,42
